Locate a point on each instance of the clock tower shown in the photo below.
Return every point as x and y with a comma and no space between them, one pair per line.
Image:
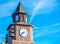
20,32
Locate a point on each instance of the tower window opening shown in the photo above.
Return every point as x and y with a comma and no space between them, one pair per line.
25,18
22,17
17,18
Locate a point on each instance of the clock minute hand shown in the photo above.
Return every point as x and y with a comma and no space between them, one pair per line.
22,33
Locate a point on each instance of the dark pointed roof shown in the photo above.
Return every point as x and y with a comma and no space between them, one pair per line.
20,8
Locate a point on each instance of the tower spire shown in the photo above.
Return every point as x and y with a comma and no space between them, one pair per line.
19,15
20,8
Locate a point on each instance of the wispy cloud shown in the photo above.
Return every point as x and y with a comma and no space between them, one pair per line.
43,6
7,8
48,26
41,31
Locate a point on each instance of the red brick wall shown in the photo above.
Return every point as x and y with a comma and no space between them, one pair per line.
18,37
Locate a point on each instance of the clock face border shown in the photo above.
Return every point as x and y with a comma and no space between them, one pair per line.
25,32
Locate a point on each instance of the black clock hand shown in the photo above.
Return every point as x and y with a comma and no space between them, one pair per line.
22,33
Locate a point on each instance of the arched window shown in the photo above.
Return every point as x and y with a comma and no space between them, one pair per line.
22,17
11,32
17,18
25,18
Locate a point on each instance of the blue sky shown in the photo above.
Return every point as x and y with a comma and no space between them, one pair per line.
43,14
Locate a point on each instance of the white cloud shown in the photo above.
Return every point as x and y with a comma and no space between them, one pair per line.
43,6
42,33
6,8
47,26
46,30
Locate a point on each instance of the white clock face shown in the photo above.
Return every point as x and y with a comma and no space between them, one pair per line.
23,32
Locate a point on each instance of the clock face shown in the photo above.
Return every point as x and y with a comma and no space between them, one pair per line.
23,32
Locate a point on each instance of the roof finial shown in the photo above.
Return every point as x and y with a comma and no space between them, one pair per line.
20,8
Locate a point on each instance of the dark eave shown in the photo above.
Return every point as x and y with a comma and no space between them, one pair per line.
20,25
